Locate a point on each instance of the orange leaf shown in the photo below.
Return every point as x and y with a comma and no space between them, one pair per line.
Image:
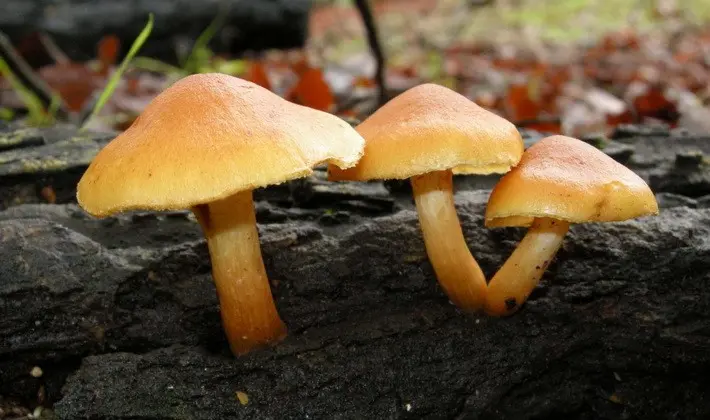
552,127
407,72
519,105
651,102
300,64
108,52
625,117
364,82
257,74
312,91
74,82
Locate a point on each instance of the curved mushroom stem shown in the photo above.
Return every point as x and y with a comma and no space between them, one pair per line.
249,315
514,282
457,271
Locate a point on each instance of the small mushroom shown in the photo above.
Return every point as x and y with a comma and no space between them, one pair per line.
427,134
204,144
559,181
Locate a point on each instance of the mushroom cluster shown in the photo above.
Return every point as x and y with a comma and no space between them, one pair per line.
207,141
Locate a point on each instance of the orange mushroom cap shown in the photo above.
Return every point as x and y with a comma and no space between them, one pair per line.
432,128
209,136
567,179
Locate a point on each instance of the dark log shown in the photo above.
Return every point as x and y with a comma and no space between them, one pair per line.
122,317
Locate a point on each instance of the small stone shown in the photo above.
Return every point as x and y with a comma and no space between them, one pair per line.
36,372
242,397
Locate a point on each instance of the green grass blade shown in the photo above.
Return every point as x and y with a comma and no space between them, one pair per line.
192,64
54,107
116,76
156,66
34,105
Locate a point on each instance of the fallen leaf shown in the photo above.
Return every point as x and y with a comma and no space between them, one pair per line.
257,74
108,53
74,82
518,104
312,91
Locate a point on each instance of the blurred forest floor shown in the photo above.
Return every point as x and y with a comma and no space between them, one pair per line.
578,67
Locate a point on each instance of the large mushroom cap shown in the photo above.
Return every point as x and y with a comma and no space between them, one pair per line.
209,136
564,178
431,128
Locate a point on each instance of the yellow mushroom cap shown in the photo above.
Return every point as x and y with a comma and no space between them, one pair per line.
564,178
432,128
209,136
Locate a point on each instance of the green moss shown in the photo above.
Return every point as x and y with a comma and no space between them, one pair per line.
43,165
87,138
17,136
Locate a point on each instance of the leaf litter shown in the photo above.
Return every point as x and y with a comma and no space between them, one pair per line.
558,67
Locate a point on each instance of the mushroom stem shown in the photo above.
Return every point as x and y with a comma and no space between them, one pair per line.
457,271
249,315
517,278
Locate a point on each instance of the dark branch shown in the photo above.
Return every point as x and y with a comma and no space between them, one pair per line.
372,38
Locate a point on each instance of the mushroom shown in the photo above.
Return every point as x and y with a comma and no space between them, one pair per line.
427,134
559,181
204,144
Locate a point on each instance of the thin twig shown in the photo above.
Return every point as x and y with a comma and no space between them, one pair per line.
372,38
53,49
27,76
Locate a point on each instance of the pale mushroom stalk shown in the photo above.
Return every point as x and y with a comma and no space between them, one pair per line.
521,273
456,270
249,315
